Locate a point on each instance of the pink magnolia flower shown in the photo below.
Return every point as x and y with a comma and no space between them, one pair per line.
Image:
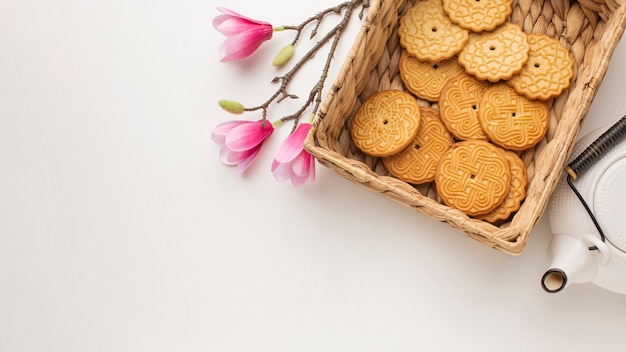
241,141
243,35
292,162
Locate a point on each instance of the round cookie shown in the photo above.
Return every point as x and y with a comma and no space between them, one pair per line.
426,79
459,105
473,176
496,55
386,123
548,70
477,15
427,33
417,163
517,191
511,120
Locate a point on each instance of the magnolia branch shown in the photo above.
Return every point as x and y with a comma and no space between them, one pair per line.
315,95
320,16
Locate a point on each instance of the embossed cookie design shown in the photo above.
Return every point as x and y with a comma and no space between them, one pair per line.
427,33
517,191
496,55
386,123
473,176
459,104
548,70
426,79
417,163
478,15
511,120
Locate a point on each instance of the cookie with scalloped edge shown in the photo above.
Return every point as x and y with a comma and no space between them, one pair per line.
496,55
478,15
549,69
427,33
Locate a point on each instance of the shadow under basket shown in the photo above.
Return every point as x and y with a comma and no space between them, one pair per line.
590,29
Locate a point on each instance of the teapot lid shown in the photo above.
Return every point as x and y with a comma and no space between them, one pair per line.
609,197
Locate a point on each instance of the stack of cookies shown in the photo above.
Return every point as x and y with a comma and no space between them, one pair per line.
488,85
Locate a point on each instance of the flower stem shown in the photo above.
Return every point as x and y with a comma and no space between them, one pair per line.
315,95
277,123
319,17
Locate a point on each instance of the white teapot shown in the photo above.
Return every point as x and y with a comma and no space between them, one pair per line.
579,251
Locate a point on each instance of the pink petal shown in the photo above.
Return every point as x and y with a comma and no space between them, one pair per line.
282,172
300,165
229,157
298,181
275,165
219,133
243,44
235,14
225,156
243,165
231,26
293,145
247,136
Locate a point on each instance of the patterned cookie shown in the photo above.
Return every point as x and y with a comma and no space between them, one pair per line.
426,79
548,70
511,120
473,176
427,33
496,55
477,15
386,123
418,162
517,191
459,104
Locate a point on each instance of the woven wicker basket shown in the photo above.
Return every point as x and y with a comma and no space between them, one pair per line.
591,30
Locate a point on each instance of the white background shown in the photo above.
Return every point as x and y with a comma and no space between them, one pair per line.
120,230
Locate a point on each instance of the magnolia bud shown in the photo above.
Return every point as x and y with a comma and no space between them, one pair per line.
283,55
232,106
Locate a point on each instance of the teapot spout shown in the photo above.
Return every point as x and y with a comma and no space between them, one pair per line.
571,262
554,280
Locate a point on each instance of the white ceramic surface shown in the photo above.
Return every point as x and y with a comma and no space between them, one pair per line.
603,188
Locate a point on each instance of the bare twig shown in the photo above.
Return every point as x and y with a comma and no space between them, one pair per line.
315,95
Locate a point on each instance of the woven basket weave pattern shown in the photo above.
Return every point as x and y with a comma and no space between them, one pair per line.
590,29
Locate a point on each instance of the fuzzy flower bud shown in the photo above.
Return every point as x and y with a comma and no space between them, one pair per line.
283,55
231,106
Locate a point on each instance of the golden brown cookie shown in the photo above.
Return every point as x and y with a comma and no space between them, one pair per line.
517,191
473,176
496,55
477,15
548,70
426,79
417,163
386,123
511,120
427,33
459,104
